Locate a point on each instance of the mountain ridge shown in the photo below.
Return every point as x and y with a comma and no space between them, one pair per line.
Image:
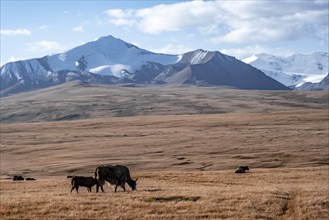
293,70
113,61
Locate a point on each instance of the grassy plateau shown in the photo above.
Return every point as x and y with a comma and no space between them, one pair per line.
182,143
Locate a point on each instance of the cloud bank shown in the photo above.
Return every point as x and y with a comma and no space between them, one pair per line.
44,46
231,21
20,31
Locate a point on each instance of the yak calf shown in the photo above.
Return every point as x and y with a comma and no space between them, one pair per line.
78,181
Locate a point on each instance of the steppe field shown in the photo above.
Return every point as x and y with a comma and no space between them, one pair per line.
183,144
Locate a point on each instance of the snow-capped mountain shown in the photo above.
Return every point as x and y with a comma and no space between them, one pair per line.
214,68
294,70
111,60
107,56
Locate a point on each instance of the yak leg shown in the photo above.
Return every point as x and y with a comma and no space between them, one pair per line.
123,187
123,183
99,185
97,188
72,188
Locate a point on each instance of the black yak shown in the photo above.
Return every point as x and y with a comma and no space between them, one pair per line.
241,169
117,175
78,181
18,178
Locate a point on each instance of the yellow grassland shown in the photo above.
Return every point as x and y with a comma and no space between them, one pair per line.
184,155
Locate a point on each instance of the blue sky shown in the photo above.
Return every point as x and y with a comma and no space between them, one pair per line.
32,29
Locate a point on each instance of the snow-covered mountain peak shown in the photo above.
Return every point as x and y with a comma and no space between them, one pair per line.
106,56
292,70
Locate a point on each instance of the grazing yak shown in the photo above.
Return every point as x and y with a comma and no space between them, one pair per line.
117,175
78,181
241,169
18,178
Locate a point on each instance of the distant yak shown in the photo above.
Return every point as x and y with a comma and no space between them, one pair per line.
241,169
18,178
78,181
117,175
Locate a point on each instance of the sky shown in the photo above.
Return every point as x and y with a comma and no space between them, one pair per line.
239,28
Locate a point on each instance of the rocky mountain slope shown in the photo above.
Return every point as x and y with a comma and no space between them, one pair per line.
322,85
112,61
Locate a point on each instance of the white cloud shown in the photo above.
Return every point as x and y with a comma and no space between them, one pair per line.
241,53
231,21
117,13
12,59
254,22
174,17
43,27
44,46
20,31
172,49
78,29
120,17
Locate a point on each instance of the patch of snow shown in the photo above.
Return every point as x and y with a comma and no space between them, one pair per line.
103,70
312,79
198,56
250,59
115,70
62,56
72,74
179,57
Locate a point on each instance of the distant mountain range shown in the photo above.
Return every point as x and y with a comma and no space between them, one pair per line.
112,61
294,70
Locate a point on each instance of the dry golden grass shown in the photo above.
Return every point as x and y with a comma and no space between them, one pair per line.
184,156
280,193
149,143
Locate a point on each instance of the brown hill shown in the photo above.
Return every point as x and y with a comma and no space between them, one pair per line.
78,100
